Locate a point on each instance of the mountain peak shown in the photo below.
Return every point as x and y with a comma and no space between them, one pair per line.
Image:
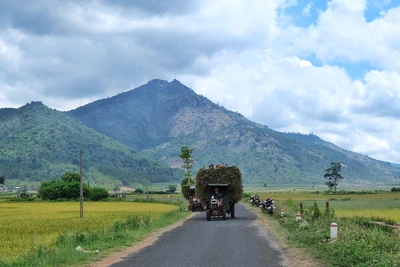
162,84
158,82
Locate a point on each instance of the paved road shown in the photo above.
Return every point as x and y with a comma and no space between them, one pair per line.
235,242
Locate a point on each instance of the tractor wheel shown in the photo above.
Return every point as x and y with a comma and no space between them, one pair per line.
224,214
233,211
208,214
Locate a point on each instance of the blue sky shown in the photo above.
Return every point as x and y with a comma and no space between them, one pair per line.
325,67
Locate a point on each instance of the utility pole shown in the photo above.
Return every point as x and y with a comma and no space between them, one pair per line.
81,188
147,189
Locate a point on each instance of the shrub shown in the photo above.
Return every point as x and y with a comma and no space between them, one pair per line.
139,190
98,193
58,190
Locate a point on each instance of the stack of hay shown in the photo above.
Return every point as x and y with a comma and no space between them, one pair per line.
186,190
230,175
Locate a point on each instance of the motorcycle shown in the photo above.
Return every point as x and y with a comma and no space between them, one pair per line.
255,200
268,206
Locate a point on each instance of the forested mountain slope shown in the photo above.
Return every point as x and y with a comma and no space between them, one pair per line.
160,117
38,143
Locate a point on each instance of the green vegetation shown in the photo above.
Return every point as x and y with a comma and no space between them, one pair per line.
98,193
367,225
39,143
54,190
186,156
171,188
69,188
333,175
360,242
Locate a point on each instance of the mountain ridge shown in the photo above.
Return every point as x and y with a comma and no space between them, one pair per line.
38,143
168,115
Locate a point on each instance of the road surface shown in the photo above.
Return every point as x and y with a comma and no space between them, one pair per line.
237,242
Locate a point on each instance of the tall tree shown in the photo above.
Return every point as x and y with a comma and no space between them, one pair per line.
2,179
333,175
186,155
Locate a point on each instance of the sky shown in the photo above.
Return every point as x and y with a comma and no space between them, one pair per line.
331,68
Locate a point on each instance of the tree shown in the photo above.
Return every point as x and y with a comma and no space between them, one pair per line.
2,179
171,188
98,193
187,161
333,174
66,188
187,181
71,177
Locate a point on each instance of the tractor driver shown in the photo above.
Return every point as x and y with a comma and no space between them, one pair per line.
218,196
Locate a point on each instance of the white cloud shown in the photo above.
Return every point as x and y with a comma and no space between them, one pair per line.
245,55
342,34
287,96
307,9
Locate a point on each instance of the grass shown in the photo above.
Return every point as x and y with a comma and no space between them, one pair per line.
46,234
360,242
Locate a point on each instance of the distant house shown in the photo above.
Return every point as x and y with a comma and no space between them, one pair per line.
3,188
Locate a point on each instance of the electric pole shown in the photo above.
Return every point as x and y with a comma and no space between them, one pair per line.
81,188
147,189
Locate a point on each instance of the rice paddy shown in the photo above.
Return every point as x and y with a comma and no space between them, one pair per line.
24,226
383,205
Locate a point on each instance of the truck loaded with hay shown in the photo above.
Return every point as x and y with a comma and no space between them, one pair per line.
195,204
220,187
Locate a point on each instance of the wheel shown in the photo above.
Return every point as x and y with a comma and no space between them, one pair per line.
233,211
224,214
263,209
208,214
271,211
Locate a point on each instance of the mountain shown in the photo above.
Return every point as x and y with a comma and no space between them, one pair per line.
38,143
159,117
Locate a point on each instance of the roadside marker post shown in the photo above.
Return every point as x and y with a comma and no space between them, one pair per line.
298,217
334,228
282,212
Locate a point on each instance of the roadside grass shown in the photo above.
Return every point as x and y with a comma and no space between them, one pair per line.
360,241
124,228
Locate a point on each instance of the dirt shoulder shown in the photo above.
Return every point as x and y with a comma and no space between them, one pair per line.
294,257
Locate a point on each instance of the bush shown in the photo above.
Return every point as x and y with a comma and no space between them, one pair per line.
395,189
58,189
139,190
98,193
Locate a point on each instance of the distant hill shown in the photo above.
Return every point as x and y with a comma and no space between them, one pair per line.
396,165
159,117
38,143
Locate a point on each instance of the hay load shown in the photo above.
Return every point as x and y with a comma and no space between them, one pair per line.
230,175
186,191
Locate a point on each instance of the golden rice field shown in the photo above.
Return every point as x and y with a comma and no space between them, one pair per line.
393,214
27,224
383,205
